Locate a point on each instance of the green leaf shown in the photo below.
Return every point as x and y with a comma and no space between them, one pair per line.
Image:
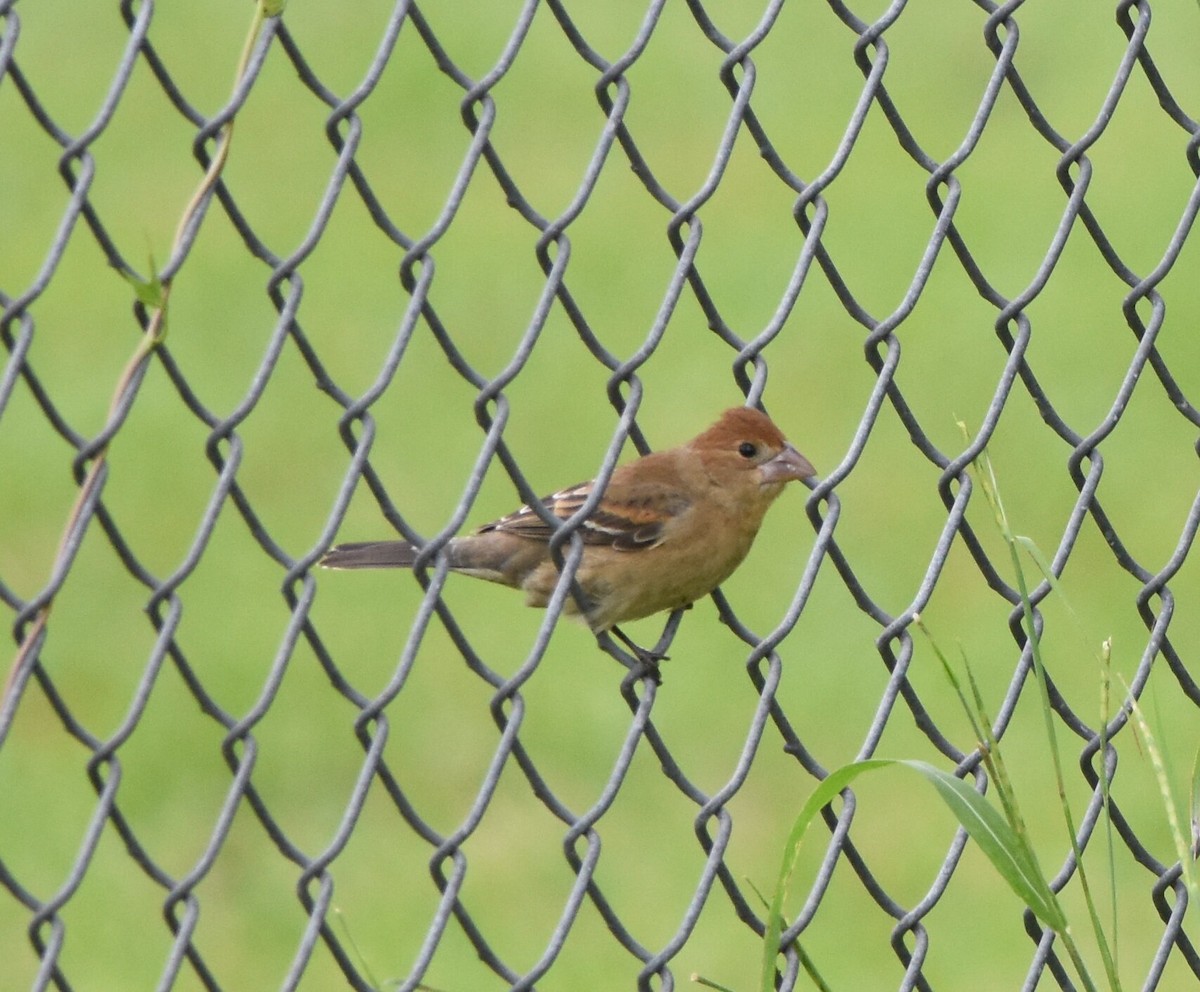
149,292
822,796
701,980
1009,854
1043,564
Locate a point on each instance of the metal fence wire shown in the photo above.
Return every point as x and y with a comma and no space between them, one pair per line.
207,785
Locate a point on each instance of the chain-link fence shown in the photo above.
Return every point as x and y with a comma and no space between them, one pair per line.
224,768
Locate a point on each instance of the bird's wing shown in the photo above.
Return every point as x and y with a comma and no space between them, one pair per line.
630,519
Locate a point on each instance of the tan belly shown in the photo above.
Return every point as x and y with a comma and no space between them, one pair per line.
625,585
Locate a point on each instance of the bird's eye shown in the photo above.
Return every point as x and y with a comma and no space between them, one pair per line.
747,450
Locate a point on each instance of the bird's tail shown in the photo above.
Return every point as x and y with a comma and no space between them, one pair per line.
371,554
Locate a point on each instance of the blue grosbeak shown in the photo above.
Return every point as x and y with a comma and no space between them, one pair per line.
669,529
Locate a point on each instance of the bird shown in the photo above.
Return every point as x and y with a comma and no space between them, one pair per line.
670,527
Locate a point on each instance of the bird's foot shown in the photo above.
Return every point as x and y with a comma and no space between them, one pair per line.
647,666
647,660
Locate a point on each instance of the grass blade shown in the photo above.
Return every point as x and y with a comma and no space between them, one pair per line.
1009,853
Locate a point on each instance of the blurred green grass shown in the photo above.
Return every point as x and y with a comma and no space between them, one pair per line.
487,282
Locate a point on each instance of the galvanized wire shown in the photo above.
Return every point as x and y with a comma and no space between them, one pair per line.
35,674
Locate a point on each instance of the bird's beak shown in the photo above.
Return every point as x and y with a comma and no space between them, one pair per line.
787,465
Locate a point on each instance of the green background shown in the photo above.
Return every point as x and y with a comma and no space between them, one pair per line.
441,738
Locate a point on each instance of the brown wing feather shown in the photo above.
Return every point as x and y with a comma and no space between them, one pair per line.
629,524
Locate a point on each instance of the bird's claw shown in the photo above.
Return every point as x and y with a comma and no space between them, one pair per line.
648,665
646,660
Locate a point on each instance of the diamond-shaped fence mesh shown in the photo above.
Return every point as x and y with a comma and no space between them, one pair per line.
396,270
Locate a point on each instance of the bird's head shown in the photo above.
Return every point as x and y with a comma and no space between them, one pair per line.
745,446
